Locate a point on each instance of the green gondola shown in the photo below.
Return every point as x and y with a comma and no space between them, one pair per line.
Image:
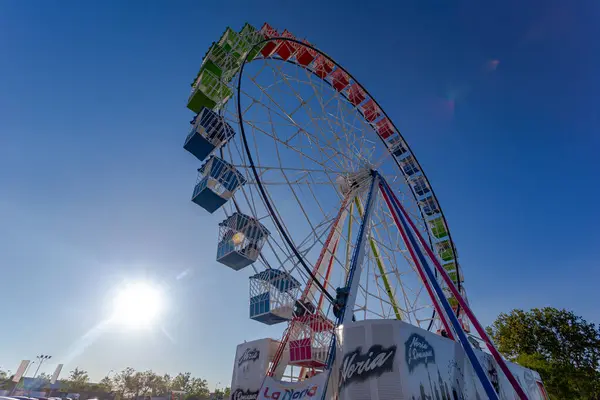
251,36
438,228
209,92
444,250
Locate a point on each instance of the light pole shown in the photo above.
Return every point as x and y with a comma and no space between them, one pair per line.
41,358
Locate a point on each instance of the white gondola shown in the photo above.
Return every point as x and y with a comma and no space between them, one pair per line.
273,294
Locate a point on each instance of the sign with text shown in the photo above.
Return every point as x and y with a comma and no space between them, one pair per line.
418,351
311,388
250,367
369,364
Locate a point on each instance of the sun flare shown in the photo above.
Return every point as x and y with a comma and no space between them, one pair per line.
137,305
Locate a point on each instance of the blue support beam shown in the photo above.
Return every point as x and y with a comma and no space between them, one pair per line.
354,273
483,378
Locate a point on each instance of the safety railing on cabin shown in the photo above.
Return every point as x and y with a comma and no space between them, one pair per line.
241,239
273,295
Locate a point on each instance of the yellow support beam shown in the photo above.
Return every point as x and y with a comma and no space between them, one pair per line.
348,243
375,250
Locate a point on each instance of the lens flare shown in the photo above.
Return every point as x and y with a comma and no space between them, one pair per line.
137,305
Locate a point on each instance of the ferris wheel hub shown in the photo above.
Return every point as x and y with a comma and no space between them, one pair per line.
355,181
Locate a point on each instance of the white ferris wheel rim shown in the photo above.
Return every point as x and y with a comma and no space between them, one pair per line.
275,214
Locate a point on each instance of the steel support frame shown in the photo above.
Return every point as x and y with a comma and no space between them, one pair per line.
407,225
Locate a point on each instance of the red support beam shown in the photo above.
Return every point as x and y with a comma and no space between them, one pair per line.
436,304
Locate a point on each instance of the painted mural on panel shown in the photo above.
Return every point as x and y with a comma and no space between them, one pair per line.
434,368
388,360
393,360
369,362
250,367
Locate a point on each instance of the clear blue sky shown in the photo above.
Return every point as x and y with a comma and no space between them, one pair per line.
95,186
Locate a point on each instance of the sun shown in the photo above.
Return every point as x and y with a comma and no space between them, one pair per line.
137,305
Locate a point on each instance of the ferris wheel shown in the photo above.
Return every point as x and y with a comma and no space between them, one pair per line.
289,141
325,206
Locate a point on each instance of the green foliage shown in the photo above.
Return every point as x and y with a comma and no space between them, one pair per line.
129,384
44,377
5,382
193,387
561,346
78,380
222,394
124,382
106,384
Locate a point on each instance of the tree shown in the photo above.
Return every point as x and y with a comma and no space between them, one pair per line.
150,383
5,380
181,381
193,387
561,346
160,385
199,387
106,384
78,380
42,380
44,377
223,393
123,382
134,387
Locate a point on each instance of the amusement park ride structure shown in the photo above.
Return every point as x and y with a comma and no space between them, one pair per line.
298,154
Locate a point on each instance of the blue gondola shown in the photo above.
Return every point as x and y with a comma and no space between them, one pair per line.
397,146
209,132
217,181
430,206
420,186
241,239
409,166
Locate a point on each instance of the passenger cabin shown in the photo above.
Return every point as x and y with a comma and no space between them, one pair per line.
429,206
241,239
251,36
438,227
217,181
397,146
286,48
221,60
209,132
273,294
232,42
322,66
409,165
268,32
385,128
339,79
452,271
356,94
419,185
208,91
370,110
444,250
310,340
305,55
